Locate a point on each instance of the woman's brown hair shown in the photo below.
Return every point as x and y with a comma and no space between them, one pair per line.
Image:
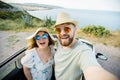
32,42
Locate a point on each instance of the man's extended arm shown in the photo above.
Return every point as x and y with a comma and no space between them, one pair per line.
98,73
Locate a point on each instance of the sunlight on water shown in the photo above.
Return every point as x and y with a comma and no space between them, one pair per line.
108,19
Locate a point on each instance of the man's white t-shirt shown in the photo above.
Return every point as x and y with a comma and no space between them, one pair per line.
70,63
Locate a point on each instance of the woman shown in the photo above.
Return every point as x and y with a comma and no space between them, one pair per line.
38,60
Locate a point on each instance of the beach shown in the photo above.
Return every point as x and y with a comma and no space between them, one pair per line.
11,42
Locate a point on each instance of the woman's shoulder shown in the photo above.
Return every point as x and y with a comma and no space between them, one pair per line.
30,51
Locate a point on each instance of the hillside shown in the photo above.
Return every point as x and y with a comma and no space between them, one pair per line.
34,6
7,7
7,11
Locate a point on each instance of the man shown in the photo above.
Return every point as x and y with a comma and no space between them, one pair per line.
74,58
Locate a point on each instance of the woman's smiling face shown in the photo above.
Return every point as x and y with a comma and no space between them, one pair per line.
42,39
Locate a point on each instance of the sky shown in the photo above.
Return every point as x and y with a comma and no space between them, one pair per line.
109,5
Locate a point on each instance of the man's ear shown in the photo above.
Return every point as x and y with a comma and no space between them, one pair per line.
75,29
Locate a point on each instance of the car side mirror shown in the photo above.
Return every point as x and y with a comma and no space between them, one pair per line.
101,56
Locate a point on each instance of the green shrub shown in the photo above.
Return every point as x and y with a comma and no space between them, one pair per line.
48,22
11,24
27,19
10,15
98,31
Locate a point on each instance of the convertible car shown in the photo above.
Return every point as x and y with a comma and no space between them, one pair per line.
11,68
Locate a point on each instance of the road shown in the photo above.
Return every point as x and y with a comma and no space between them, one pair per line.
113,62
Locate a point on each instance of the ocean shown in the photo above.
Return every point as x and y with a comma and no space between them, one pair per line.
109,19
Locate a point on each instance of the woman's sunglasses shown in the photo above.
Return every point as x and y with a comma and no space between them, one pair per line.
44,36
66,30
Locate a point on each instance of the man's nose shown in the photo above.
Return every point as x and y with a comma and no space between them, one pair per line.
62,31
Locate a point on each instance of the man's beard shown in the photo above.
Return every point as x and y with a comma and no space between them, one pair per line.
70,40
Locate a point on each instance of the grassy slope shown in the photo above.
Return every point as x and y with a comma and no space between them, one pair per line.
113,39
